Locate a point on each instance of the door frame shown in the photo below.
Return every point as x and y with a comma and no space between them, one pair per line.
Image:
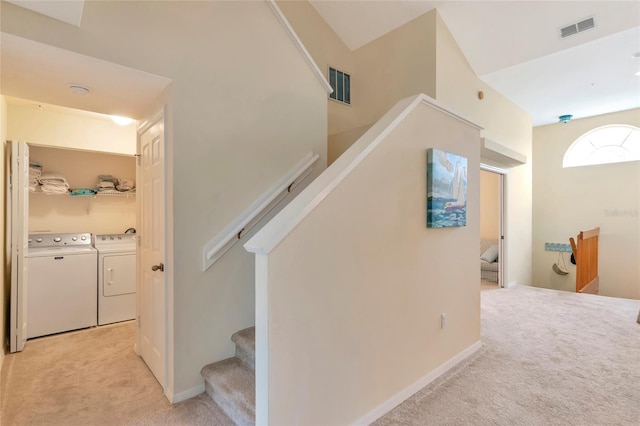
161,113
17,236
502,219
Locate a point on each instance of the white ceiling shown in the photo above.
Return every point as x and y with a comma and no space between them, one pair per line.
43,73
515,47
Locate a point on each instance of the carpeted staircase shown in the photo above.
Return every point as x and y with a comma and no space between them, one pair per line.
231,382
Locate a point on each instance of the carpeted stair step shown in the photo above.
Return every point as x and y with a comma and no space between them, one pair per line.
232,385
245,341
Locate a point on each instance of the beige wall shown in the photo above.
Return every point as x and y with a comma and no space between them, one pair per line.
68,128
399,64
4,294
62,213
567,201
503,122
378,281
489,199
237,126
340,142
423,57
327,49
392,67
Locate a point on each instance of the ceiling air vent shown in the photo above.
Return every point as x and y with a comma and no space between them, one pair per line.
572,29
585,25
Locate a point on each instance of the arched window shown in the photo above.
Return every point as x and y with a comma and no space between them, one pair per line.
608,144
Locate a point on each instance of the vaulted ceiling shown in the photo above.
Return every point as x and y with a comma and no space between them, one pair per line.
514,46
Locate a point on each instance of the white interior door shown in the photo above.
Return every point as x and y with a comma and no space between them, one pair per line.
151,250
501,226
18,221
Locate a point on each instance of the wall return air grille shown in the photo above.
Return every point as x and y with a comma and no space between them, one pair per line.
576,28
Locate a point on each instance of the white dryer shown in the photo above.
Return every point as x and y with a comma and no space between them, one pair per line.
116,277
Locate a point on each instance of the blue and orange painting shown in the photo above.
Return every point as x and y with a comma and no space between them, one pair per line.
446,189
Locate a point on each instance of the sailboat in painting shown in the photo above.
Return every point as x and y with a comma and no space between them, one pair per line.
458,189
446,189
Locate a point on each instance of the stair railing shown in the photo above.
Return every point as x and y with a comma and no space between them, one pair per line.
233,232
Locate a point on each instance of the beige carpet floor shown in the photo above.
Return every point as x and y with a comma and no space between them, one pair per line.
548,358
91,377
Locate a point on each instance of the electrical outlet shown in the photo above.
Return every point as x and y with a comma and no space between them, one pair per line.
443,320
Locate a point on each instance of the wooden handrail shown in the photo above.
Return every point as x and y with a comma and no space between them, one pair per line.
585,253
233,232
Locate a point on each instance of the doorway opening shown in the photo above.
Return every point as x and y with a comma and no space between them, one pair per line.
492,229
115,89
83,206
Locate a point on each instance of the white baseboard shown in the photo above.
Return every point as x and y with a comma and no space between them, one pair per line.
407,392
511,284
184,395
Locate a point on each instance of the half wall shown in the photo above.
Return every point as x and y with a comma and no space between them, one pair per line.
351,285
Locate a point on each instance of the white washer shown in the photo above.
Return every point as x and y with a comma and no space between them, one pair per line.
61,283
116,277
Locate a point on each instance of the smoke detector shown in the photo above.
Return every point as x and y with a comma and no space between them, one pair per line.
79,90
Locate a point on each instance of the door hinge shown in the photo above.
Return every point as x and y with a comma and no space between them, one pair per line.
139,321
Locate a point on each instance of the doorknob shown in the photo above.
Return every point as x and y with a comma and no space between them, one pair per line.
159,267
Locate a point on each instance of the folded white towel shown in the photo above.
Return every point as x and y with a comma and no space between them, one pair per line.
52,177
54,189
55,185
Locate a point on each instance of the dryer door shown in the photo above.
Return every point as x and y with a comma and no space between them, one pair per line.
119,274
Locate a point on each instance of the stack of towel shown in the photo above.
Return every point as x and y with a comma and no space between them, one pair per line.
110,183
53,184
35,171
106,183
125,185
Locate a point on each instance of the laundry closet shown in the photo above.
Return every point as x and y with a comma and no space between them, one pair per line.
81,260
106,212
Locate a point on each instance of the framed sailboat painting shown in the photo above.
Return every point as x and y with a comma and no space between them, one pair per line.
446,189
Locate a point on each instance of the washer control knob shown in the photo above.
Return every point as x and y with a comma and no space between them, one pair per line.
83,238
38,240
74,238
57,239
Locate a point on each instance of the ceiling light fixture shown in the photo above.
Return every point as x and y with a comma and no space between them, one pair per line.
121,121
79,90
565,118
638,73
636,55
